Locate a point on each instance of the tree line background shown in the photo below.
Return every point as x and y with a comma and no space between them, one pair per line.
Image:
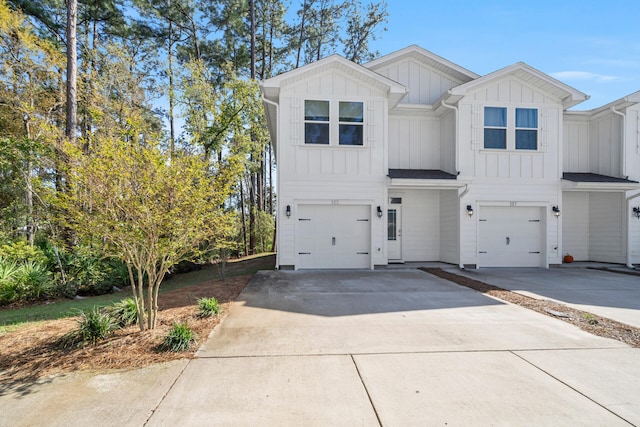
84,81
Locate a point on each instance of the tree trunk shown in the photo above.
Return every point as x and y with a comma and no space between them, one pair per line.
172,136
252,13
244,220
72,71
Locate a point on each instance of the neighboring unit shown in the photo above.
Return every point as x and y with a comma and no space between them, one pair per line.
413,158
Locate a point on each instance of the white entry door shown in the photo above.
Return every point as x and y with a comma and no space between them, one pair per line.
510,237
394,233
333,236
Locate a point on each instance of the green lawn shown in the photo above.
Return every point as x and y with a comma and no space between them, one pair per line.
11,319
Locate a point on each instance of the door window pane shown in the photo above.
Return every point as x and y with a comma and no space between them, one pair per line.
391,224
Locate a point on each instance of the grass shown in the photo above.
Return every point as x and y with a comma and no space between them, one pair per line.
11,319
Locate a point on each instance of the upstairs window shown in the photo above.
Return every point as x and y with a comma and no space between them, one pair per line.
495,127
350,123
316,122
526,129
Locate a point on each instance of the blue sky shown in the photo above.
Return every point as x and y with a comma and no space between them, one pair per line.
593,46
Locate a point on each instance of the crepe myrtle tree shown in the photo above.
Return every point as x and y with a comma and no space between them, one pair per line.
148,210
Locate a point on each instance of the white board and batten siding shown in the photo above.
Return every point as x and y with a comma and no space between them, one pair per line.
607,225
478,162
334,180
425,84
575,225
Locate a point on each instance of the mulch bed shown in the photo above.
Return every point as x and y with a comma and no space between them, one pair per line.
31,353
597,325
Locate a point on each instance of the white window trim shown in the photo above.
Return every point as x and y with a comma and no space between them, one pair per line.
511,128
334,124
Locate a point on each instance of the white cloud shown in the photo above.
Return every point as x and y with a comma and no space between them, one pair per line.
583,75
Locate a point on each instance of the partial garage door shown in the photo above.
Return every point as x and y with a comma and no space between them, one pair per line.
510,237
333,236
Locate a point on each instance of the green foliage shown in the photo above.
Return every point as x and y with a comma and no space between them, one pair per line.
123,312
93,326
20,251
265,225
208,307
180,338
25,281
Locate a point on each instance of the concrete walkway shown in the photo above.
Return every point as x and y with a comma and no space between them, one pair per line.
364,348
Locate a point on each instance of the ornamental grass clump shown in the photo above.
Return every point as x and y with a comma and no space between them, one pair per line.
208,307
94,326
180,338
124,313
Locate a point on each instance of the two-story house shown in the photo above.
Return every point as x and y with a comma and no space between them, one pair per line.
414,158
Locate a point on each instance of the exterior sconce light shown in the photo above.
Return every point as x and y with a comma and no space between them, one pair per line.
288,211
469,211
636,211
379,212
556,211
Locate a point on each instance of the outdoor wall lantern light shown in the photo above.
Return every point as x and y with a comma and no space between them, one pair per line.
636,211
288,211
556,211
379,212
469,210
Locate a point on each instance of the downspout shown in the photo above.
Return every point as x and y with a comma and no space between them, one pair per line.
466,187
277,107
629,263
460,196
623,148
454,108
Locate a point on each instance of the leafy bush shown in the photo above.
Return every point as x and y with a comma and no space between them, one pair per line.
9,291
180,338
94,326
89,273
20,251
123,313
208,307
34,280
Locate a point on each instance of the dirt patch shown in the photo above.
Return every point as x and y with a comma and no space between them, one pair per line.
31,352
597,325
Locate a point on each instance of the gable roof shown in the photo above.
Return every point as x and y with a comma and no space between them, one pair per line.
623,102
428,58
396,91
536,78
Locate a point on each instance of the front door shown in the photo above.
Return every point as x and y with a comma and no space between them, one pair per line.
394,233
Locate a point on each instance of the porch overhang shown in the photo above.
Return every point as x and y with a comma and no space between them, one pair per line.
423,179
595,182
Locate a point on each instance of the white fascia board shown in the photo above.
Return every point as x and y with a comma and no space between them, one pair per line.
433,184
599,186
623,102
395,90
425,56
572,96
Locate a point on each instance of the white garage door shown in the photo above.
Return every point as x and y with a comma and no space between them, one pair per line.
333,236
510,237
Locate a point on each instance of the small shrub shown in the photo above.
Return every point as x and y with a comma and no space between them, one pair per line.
124,312
35,280
9,289
180,338
20,251
94,326
208,307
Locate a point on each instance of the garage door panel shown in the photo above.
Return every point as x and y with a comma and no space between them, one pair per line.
333,236
510,237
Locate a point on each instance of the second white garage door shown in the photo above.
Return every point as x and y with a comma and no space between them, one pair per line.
333,236
510,237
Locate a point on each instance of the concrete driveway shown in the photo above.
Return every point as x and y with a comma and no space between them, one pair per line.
398,348
612,295
361,348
